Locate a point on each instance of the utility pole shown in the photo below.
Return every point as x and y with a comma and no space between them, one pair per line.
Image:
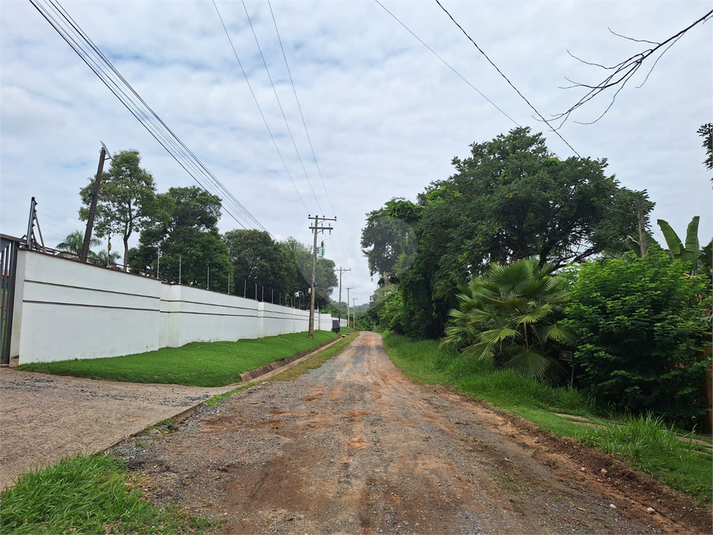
341,270
93,207
350,288
643,245
316,228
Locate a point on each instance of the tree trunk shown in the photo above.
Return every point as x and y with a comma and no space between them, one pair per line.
126,253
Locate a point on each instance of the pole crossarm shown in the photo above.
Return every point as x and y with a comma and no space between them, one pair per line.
316,228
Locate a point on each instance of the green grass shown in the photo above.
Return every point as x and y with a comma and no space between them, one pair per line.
195,364
87,494
645,442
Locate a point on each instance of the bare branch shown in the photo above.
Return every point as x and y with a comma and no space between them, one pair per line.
622,72
632,39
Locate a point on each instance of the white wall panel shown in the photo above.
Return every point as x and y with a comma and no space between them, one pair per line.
65,310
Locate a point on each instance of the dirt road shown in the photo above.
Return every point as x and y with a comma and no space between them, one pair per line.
353,447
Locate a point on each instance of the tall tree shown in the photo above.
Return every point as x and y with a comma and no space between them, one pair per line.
300,262
510,199
706,132
184,232
388,239
125,201
258,259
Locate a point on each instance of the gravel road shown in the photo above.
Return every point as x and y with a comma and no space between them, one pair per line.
44,418
354,447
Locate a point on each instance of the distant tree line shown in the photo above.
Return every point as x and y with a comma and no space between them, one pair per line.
179,241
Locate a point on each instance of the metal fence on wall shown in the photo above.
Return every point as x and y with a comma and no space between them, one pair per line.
8,267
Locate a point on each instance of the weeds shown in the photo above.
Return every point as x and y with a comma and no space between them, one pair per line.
87,494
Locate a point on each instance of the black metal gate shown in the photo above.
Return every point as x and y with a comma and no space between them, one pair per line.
8,266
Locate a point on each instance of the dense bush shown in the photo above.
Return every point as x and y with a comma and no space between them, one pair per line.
641,335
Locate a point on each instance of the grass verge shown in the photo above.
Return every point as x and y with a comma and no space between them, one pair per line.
88,494
645,442
315,361
196,364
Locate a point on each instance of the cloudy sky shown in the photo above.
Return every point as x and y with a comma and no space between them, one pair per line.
384,114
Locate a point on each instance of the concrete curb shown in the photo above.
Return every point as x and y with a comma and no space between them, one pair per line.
264,372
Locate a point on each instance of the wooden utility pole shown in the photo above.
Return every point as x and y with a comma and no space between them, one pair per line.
341,270
350,288
316,228
643,238
93,206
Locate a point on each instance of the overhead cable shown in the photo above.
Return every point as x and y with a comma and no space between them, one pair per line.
257,103
279,104
304,123
77,39
506,78
446,63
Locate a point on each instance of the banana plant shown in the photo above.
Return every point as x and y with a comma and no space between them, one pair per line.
688,253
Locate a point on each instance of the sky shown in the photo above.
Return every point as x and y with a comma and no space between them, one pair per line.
385,116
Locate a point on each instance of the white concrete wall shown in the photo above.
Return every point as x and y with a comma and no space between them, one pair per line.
195,315
65,310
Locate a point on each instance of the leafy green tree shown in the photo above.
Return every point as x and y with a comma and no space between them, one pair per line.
125,201
509,316
257,258
300,262
388,240
184,232
510,199
641,334
72,245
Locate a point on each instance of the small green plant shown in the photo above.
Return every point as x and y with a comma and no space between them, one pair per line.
87,494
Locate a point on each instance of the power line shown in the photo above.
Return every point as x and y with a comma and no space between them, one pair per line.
82,45
304,123
279,104
506,78
184,156
257,103
446,63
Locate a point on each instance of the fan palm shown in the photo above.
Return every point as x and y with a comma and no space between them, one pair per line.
72,244
508,316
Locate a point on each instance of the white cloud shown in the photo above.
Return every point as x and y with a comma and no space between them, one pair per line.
384,115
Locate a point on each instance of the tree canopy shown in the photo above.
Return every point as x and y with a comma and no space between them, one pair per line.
183,230
125,201
510,199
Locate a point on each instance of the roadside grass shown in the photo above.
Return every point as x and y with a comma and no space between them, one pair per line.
196,364
644,441
315,361
88,494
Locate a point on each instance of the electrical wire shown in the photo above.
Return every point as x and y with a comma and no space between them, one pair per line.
446,63
506,78
279,104
257,103
304,123
82,45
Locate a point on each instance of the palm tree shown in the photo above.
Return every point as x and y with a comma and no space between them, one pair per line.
507,316
72,245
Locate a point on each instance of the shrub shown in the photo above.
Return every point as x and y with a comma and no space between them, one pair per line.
641,335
